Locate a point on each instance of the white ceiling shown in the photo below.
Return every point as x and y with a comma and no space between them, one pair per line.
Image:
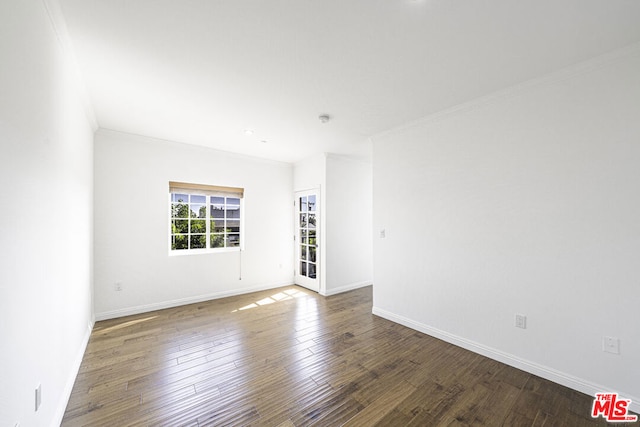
203,71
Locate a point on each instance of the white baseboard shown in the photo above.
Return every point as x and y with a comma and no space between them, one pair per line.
75,368
128,311
345,288
550,374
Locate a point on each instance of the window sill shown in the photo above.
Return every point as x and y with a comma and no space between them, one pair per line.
186,252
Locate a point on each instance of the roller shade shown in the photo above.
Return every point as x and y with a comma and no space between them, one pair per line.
207,190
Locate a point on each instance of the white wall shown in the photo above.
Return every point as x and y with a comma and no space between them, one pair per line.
345,218
523,202
132,175
46,217
348,207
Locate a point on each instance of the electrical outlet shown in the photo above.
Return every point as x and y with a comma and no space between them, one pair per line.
611,345
521,321
38,396
117,286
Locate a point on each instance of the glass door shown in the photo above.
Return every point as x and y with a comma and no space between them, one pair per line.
306,239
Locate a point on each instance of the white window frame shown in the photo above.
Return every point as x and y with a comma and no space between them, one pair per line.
207,192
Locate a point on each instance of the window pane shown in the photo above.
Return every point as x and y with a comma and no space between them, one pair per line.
199,241
189,226
233,240
179,211
233,226
312,220
180,226
233,211
304,240
312,241
217,240
312,271
180,198
312,253
303,268
312,203
303,220
198,211
198,226
179,242
217,211
303,252
312,233
201,200
303,204
303,233
217,226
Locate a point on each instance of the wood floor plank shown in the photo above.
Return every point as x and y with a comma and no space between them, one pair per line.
290,357
382,406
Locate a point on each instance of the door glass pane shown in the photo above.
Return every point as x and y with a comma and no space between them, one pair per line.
312,253
303,268
303,220
303,204
303,252
312,203
312,271
312,220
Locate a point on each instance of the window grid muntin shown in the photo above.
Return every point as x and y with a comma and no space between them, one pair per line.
229,239
307,210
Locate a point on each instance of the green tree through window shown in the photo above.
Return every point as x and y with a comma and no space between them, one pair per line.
200,222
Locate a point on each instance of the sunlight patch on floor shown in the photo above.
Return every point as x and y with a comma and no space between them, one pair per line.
285,295
125,324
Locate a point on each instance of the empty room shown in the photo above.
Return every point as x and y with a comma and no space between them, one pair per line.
342,212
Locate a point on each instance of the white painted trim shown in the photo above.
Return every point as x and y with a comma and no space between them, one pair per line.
298,278
184,301
68,387
550,374
346,288
520,88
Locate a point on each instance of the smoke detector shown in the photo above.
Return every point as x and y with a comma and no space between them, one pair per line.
324,118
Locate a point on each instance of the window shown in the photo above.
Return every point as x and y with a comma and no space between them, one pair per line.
204,217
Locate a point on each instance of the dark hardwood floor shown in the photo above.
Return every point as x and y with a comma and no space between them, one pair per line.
289,357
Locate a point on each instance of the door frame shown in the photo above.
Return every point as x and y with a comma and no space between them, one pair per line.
304,281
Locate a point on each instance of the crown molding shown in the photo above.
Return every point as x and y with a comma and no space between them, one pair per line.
565,73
